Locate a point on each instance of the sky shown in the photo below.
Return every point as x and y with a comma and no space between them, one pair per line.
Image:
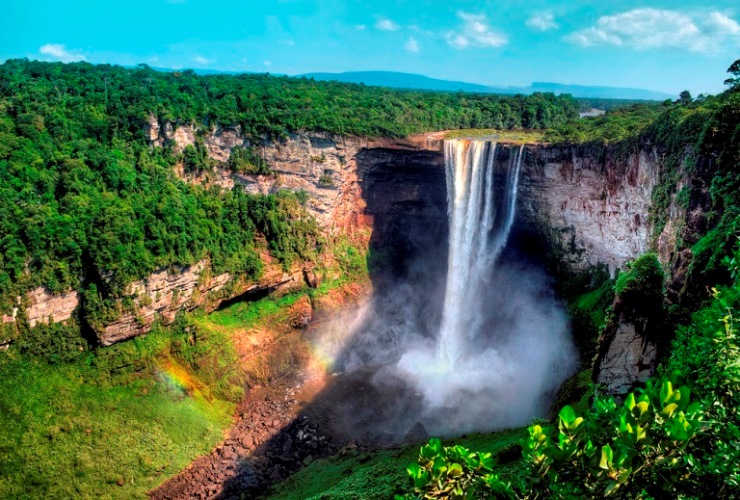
660,45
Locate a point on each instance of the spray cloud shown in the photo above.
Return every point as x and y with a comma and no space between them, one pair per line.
493,354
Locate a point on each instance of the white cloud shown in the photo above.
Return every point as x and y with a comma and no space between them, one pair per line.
386,25
289,43
412,45
360,27
720,24
542,22
201,60
657,29
60,53
418,29
475,32
267,63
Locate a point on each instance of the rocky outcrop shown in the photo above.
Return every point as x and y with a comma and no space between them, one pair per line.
10,318
45,306
590,205
322,165
162,294
629,359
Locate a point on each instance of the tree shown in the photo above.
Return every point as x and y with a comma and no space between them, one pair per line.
734,70
684,97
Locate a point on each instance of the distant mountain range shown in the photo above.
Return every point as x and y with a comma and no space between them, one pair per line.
412,81
400,80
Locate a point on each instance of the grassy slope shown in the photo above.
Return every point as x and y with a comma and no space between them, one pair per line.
118,422
70,436
353,475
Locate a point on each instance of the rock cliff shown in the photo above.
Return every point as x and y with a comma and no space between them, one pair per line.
44,305
166,292
586,206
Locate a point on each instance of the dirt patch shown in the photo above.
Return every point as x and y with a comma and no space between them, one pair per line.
268,441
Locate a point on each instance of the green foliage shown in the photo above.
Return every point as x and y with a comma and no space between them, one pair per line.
623,450
248,161
615,126
734,70
195,157
53,342
114,422
378,475
588,295
732,263
706,354
644,444
455,472
352,260
325,180
115,99
639,289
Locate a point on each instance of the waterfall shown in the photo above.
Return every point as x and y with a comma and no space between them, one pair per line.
503,344
480,223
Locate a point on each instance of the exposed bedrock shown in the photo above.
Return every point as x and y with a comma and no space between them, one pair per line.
587,206
582,205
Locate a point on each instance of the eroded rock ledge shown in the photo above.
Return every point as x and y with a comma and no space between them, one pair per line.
587,206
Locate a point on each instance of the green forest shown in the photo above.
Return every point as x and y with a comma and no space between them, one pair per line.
86,203
84,196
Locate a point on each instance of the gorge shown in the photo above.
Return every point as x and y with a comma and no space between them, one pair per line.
185,284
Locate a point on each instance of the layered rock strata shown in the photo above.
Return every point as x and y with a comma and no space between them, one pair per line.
585,205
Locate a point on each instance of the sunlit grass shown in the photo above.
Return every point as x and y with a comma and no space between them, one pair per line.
66,435
518,136
375,476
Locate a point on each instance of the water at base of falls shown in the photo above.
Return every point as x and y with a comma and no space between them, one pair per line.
503,345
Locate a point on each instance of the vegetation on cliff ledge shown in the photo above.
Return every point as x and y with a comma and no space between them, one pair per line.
86,203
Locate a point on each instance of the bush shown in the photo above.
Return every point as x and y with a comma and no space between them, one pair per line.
639,289
643,443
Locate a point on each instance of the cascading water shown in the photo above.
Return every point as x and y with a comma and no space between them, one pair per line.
479,228
504,345
501,345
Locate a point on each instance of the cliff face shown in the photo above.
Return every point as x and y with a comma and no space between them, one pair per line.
322,165
581,204
45,306
587,206
166,292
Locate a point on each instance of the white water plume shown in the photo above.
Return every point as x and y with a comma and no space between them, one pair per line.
483,348
473,249
503,345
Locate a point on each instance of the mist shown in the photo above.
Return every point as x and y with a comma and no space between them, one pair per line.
479,345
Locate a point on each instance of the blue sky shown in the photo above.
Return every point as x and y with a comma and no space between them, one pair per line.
660,45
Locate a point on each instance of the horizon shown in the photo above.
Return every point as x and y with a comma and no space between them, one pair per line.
660,46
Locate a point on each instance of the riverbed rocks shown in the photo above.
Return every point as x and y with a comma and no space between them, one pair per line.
268,441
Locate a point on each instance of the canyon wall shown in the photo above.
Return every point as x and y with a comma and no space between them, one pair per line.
327,168
586,206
